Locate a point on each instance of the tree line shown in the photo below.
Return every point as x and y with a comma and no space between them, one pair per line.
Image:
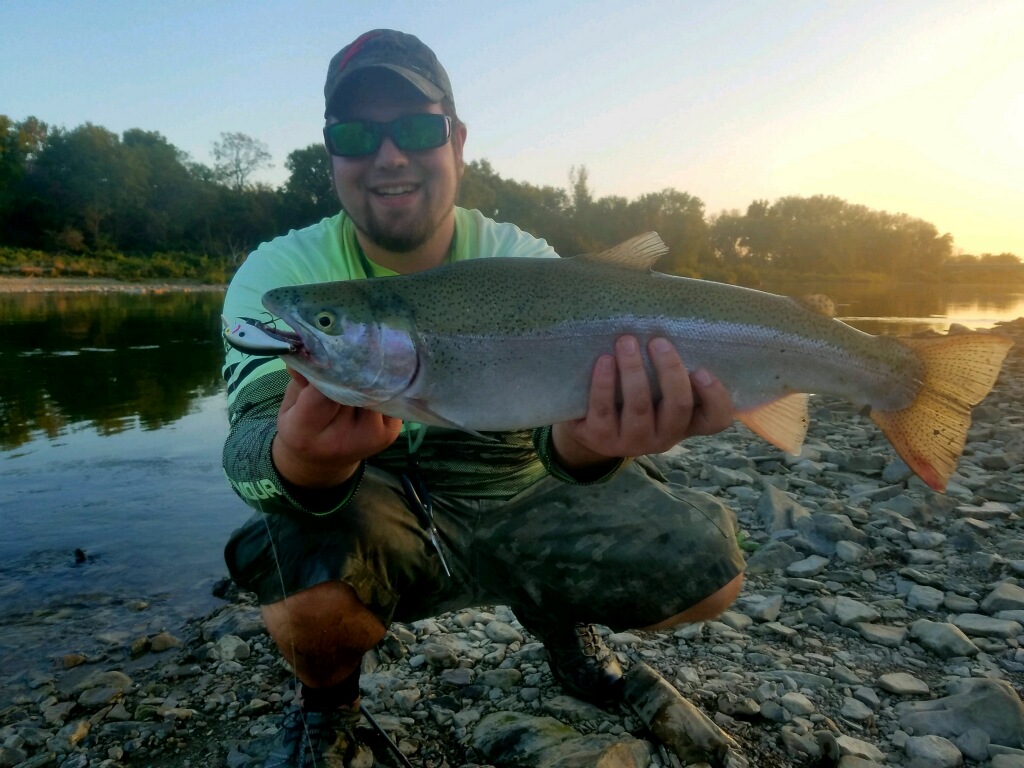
84,196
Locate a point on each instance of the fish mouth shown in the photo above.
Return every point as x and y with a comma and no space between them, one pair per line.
307,346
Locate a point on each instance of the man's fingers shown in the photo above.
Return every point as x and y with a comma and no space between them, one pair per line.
677,399
601,405
714,412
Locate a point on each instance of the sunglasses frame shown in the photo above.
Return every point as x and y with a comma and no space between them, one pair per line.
386,129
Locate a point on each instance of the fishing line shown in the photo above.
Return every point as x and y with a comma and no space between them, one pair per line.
291,636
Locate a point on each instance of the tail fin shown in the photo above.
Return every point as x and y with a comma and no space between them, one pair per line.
959,371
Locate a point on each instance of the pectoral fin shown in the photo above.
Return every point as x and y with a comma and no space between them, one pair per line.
782,422
418,410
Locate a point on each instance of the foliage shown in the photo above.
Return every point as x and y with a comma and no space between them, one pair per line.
85,201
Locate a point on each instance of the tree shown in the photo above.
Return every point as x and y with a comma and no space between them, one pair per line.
237,157
308,192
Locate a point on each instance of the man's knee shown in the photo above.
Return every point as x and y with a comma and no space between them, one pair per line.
710,607
325,608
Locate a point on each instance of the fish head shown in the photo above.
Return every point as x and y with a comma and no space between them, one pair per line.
353,349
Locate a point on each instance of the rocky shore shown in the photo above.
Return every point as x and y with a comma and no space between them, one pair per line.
880,624
100,285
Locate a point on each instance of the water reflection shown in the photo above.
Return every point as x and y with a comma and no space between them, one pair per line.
107,361
900,309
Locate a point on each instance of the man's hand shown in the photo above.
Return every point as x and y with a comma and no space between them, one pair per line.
691,404
319,442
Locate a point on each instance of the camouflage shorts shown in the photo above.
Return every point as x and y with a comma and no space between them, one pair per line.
627,553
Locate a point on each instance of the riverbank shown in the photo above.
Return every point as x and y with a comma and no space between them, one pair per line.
880,623
101,285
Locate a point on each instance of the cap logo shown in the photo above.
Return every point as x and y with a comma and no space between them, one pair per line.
355,47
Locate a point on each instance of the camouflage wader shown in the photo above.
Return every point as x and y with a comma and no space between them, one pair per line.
627,553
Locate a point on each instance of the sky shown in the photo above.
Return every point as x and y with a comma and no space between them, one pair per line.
914,107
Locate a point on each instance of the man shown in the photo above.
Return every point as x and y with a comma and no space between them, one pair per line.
555,522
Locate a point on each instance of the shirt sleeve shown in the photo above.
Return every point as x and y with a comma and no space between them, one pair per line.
256,383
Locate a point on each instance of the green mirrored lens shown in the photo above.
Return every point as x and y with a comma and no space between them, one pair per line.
354,139
419,132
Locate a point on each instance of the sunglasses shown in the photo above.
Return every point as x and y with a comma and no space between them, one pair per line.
410,133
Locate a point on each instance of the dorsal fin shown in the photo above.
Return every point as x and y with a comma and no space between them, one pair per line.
819,303
638,252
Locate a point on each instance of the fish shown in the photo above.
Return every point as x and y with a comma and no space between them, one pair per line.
501,344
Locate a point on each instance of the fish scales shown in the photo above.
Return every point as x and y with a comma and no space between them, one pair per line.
501,344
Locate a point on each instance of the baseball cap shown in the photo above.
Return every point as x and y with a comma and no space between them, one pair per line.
404,54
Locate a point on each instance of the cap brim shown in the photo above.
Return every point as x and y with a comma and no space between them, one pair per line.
416,80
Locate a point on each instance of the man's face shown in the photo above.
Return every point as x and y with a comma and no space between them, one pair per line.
398,199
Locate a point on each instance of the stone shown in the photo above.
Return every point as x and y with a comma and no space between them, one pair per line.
809,566
973,743
925,598
850,552
943,639
902,684
882,634
977,703
797,703
760,607
978,625
857,748
241,620
773,556
856,710
777,510
934,751
1006,596
163,642
500,632
849,612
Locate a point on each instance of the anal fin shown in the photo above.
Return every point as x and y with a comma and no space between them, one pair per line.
782,422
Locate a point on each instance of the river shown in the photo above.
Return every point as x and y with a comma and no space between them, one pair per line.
112,416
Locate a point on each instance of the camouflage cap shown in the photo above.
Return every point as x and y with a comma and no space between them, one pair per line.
399,52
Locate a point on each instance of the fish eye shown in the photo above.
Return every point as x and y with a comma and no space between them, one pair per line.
324,320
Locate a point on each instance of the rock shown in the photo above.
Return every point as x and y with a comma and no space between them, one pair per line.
163,642
944,640
1006,596
241,620
500,632
823,531
988,705
849,612
856,710
232,648
857,748
809,566
925,598
973,743
760,607
773,556
850,552
977,625
934,751
778,511
882,634
502,679
902,684
797,703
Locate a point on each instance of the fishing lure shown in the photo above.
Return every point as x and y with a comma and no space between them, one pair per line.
256,338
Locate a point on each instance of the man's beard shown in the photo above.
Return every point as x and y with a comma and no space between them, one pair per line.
398,242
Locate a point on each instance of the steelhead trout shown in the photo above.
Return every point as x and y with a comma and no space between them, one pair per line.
497,344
